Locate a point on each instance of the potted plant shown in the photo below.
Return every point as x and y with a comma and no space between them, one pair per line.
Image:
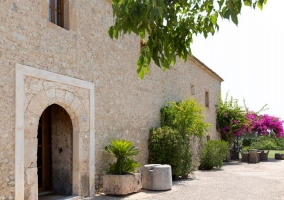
120,178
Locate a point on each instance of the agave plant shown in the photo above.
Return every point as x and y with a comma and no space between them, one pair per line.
122,150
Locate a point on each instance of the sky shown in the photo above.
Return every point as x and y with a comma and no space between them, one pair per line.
249,57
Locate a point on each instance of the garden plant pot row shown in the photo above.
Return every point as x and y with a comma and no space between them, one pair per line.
279,156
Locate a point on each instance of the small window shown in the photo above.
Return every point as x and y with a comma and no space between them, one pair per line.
56,12
207,99
192,90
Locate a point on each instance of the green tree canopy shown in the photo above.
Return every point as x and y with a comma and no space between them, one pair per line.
166,27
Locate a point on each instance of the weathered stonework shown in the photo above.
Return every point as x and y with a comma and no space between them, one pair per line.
125,107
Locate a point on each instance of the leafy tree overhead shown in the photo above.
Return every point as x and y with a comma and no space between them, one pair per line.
166,27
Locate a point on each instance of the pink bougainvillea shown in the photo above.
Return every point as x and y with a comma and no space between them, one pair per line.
233,121
264,124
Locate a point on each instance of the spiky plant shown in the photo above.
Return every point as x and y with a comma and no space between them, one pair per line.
122,150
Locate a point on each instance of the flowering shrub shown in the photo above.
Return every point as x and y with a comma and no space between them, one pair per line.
231,119
264,124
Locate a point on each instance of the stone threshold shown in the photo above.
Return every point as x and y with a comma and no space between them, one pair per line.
50,196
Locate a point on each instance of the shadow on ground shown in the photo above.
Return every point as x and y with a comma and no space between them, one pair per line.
114,197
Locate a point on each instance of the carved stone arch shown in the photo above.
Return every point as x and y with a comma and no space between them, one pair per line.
40,89
36,107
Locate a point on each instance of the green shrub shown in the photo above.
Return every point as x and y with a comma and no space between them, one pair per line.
246,142
185,116
267,143
280,143
169,146
122,150
213,153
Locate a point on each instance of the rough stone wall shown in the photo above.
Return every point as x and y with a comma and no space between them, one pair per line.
125,106
62,155
179,82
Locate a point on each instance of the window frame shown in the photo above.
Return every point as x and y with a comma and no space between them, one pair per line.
53,9
192,89
207,99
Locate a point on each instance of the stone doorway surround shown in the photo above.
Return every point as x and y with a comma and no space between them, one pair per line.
35,90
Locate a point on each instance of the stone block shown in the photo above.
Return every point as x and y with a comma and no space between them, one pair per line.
60,94
31,175
41,96
147,176
35,107
50,94
157,177
122,184
69,97
76,103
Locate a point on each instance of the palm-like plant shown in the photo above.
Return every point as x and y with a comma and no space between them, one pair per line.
122,150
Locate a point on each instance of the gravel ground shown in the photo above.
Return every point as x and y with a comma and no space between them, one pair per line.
234,181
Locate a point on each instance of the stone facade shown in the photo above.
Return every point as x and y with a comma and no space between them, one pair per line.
85,72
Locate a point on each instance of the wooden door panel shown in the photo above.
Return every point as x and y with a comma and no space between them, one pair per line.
44,160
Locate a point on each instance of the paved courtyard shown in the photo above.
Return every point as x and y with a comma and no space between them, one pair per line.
234,181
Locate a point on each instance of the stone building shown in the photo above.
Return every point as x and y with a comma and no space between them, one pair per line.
67,89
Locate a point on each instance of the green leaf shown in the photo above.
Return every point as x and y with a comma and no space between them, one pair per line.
254,5
217,27
205,34
248,2
110,32
170,25
140,73
173,61
142,35
115,33
234,18
227,14
160,11
260,4
122,150
220,2
156,57
165,64
214,18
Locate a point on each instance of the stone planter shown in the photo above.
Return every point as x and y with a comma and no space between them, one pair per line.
122,184
235,155
244,157
279,156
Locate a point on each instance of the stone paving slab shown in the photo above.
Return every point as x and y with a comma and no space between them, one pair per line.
234,181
